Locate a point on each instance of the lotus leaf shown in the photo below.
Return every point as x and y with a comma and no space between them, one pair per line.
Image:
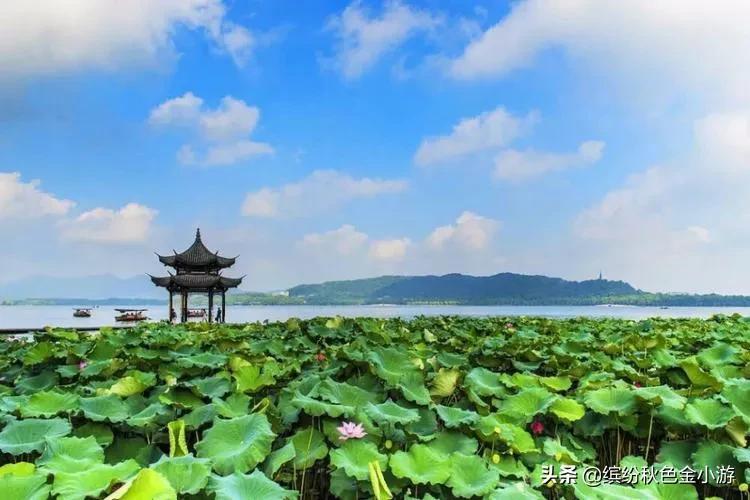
150,416
470,476
391,413
202,360
200,416
237,445
421,465
212,387
568,410
390,363
515,491
506,465
42,382
148,484
49,403
105,408
426,427
186,474
555,449
131,448
353,457
710,413
251,378
448,443
91,481
737,392
611,400
661,394
317,408
444,383
278,458
557,384
346,394
309,447
101,432
236,405
483,382
527,403
270,396
20,469
710,455
455,417
719,354
70,454
177,443
255,485
129,386
697,375
26,436
413,388
32,487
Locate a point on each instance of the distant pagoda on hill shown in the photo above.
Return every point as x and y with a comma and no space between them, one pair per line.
197,270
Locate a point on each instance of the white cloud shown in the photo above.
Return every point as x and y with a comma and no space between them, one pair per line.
24,200
345,240
470,232
224,130
488,130
667,226
661,42
130,224
184,110
517,165
392,250
362,39
320,191
42,37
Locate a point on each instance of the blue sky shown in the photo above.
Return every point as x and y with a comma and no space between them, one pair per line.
330,140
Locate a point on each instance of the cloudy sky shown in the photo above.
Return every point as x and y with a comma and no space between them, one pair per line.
329,140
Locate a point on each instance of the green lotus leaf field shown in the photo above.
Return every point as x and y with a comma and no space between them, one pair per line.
356,409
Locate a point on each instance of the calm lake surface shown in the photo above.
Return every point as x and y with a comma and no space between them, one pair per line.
40,316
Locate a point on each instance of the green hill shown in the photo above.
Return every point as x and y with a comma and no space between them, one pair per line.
504,288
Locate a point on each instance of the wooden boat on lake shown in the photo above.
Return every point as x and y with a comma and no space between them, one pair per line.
82,312
196,313
131,315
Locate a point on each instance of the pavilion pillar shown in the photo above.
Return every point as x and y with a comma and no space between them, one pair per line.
171,307
183,307
210,305
223,306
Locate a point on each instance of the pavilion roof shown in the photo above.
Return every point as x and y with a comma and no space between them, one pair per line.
196,281
197,256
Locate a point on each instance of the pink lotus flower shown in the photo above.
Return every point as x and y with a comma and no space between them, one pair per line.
82,364
638,385
537,427
350,430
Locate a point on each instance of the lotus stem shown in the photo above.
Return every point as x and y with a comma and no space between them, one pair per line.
648,440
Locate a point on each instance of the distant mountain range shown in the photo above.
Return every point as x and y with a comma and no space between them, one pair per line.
498,289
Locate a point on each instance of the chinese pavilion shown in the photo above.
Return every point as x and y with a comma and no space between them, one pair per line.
197,270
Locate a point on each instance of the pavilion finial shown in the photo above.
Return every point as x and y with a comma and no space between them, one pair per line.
198,234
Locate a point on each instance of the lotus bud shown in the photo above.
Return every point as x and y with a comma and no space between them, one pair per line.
537,427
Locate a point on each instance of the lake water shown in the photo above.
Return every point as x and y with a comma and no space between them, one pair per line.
39,316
